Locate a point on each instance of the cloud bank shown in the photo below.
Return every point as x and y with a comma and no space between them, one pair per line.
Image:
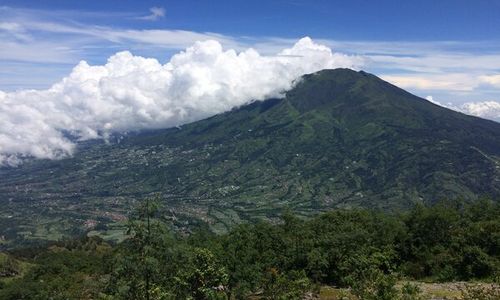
132,93
483,109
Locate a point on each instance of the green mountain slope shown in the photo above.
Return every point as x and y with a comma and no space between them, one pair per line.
340,138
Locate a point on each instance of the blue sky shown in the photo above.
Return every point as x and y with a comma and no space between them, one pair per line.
355,19
449,50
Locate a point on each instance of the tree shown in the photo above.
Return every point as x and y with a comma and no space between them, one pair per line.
317,264
371,277
242,261
139,271
202,278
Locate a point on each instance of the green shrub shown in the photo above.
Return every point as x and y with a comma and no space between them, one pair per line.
293,285
411,291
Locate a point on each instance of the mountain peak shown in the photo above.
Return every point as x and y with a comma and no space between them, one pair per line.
337,72
340,138
337,76
321,88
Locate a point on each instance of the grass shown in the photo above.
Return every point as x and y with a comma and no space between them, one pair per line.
331,293
446,290
115,233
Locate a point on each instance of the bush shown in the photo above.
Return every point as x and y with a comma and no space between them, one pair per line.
372,284
411,291
293,285
476,264
9,267
481,292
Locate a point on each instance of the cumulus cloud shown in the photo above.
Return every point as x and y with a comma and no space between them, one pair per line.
484,109
132,92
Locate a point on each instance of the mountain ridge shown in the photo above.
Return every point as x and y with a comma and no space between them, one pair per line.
339,138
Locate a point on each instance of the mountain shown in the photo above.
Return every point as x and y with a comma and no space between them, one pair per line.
339,138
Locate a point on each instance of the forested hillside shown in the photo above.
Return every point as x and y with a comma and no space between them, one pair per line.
365,253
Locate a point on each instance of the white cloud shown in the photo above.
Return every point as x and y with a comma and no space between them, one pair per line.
156,13
132,92
14,29
446,82
46,39
493,80
41,36
485,109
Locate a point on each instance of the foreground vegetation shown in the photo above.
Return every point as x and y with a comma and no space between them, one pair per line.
363,253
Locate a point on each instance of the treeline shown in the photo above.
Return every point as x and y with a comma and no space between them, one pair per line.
366,251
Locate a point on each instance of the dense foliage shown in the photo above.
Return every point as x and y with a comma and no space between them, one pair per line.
367,251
